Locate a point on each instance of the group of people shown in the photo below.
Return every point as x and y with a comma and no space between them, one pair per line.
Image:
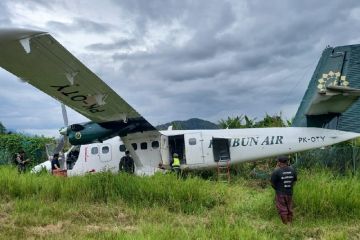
22,161
127,164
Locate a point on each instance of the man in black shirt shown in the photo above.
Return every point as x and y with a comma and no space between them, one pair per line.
127,163
55,165
283,180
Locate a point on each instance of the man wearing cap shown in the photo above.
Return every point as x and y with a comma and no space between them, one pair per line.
127,163
283,180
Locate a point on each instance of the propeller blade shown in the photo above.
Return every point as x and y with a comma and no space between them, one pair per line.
63,140
60,145
64,113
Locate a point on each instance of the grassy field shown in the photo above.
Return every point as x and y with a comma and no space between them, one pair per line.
106,206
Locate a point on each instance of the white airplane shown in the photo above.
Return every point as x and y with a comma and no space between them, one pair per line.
40,60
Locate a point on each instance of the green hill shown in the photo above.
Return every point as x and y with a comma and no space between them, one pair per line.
192,123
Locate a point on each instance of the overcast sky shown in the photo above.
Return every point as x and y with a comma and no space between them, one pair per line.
174,60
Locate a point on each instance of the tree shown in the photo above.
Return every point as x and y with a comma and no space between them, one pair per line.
176,125
271,121
2,129
244,121
237,122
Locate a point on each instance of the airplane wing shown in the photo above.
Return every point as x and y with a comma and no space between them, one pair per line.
37,58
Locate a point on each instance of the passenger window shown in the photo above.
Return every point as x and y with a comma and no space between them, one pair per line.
122,148
94,150
192,141
143,145
105,149
134,145
155,144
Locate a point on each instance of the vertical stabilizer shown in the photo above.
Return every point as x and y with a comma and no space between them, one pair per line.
332,97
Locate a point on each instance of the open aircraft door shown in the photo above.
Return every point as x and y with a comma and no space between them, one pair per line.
164,149
194,148
221,149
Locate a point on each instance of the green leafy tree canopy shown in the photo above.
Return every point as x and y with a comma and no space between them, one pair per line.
244,121
241,121
2,128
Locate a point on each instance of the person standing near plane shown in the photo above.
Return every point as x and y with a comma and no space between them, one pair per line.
283,179
21,161
175,165
55,165
127,163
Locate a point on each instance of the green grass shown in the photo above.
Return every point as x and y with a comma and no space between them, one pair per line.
106,206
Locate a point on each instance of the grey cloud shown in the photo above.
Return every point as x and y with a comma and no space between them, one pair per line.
157,10
40,3
119,44
4,15
268,45
80,24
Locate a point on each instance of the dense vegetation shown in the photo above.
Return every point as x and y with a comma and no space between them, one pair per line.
243,121
2,128
34,147
106,206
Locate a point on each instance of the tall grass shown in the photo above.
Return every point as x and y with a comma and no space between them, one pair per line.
107,206
317,194
190,195
322,194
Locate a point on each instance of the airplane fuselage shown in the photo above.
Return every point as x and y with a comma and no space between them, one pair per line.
200,149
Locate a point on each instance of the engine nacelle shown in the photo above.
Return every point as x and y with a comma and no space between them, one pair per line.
90,132
87,133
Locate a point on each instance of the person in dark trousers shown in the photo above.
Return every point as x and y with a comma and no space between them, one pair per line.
21,161
175,165
127,164
55,165
283,179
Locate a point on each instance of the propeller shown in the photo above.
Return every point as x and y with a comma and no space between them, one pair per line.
63,139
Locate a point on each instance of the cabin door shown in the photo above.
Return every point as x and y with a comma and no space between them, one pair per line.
164,149
105,153
221,149
194,148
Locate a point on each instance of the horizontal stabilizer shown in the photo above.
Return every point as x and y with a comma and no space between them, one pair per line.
336,99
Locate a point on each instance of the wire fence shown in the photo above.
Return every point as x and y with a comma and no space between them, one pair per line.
340,159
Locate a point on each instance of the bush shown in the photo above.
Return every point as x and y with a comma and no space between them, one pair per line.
34,147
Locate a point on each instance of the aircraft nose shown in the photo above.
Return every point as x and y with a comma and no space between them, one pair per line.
64,131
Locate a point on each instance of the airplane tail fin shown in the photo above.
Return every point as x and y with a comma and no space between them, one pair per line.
332,97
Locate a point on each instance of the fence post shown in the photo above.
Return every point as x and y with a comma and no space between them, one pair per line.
353,156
